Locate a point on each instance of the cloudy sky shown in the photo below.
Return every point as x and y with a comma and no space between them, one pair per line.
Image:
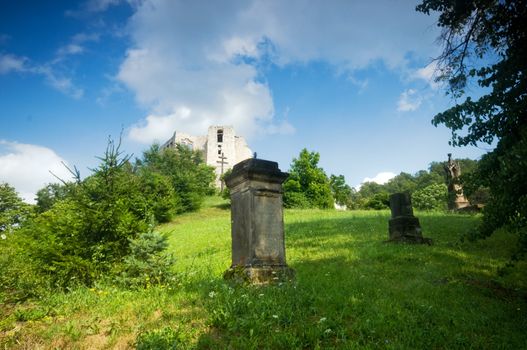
352,80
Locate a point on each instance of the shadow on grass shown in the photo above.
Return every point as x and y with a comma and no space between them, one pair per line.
352,290
224,206
340,303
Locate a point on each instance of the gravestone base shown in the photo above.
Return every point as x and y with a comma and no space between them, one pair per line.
260,274
406,229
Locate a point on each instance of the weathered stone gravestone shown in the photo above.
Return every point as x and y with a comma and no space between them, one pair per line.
404,226
257,224
456,198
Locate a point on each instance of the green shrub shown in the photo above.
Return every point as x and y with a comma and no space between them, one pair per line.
147,264
432,197
20,277
378,201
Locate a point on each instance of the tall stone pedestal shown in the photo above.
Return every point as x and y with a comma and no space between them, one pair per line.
257,224
404,226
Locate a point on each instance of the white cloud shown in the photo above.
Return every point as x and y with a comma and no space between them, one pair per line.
27,167
58,82
75,46
428,74
409,101
101,5
380,178
11,63
204,56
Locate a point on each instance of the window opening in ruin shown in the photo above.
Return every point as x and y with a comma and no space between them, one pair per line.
220,135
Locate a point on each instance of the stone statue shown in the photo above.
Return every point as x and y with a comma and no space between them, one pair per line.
456,199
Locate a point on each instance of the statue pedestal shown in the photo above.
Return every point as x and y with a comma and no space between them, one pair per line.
257,224
404,226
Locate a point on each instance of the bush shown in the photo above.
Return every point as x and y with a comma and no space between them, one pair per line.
96,225
20,277
378,201
147,264
432,197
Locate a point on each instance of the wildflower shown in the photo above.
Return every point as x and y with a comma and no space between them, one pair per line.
323,319
327,331
3,236
275,316
212,294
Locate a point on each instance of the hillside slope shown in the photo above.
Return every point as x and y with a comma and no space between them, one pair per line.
351,290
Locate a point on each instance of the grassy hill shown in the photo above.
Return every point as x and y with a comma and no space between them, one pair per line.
351,290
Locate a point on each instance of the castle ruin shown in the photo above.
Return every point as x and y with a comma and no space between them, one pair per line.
221,147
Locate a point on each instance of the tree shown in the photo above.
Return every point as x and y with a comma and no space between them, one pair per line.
13,211
190,176
486,41
403,182
341,191
307,184
49,195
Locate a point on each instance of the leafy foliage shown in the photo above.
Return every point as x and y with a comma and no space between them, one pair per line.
308,184
49,195
89,226
486,42
13,211
191,178
341,191
147,264
432,197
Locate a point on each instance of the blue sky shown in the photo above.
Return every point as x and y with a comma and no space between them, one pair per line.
350,80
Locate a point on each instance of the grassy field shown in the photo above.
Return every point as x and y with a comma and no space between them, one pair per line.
352,290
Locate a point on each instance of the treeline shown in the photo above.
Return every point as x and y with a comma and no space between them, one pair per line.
99,227
308,186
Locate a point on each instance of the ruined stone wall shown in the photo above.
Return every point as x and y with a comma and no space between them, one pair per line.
234,148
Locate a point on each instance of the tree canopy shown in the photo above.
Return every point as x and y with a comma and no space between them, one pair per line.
485,42
307,185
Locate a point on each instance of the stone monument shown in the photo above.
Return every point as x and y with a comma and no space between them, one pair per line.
404,226
456,198
257,224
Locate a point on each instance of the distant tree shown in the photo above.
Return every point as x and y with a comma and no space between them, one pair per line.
49,195
424,179
308,184
341,191
191,178
13,210
403,182
486,42
369,189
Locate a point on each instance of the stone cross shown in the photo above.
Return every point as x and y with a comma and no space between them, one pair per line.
257,224
222,162
404,226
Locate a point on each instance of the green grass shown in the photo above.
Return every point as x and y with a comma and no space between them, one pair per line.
352,290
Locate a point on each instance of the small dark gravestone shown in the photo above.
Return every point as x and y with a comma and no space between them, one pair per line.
257,223
404,226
